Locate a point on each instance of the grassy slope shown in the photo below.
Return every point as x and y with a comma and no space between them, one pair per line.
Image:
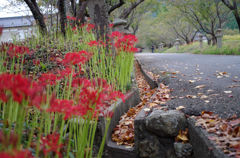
229,48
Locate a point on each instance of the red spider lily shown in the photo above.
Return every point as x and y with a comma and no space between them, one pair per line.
107,114
126,43
50,144
133,50
63,106
69,17
17,85
102,43
111,25
90,27
16,154
79,82
74,28
76,58
73,18
116,34
67,72
47,79
18,51
93,43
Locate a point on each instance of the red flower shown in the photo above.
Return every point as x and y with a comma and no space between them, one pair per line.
18,51
93,43
47,79
107,113
50,144
79,82
63,106
111,25
116,34
17,85
76,58
74,28
73,18
67,72
90,27
68,17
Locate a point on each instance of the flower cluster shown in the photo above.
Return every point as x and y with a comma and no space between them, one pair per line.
71,18
76,58
17,85
124,43
18,51
50,144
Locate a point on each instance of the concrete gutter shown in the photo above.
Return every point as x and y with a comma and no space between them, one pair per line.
111,148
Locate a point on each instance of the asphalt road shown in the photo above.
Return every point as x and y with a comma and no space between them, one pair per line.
216,72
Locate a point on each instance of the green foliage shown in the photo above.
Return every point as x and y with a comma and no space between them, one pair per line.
229,48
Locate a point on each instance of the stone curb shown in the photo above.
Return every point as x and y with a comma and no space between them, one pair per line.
153,84
202,146
111,148
198,137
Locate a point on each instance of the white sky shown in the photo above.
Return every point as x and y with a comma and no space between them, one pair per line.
13,10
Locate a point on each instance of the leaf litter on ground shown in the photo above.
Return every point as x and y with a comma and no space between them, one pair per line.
225,132
123,134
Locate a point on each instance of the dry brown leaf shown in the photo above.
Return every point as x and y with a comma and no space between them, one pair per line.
173,76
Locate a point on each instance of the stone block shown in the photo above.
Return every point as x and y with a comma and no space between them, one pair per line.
183,150
166,123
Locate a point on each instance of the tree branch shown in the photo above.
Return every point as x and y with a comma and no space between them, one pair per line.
121,2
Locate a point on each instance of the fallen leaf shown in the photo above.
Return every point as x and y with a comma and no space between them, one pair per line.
200,93
204,97
212,138
220,77
227,92
200,86
192,81
234,122
173,76
153,104
236,80
180,107
146,109
206,101
235,77
230,96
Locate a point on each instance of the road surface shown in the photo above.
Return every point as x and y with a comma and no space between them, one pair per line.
216,74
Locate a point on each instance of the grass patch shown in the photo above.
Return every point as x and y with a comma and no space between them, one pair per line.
230,47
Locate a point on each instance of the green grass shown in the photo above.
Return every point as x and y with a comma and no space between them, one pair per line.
230,47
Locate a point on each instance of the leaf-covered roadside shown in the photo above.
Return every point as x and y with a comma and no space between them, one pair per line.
123,134
225,132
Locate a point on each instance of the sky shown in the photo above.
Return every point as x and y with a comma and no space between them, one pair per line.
13,10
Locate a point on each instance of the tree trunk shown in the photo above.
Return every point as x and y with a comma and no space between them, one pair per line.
237,19
63,18
99,17
37,15
81,10
214,40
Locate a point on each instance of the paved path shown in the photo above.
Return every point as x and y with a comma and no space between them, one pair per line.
200,68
